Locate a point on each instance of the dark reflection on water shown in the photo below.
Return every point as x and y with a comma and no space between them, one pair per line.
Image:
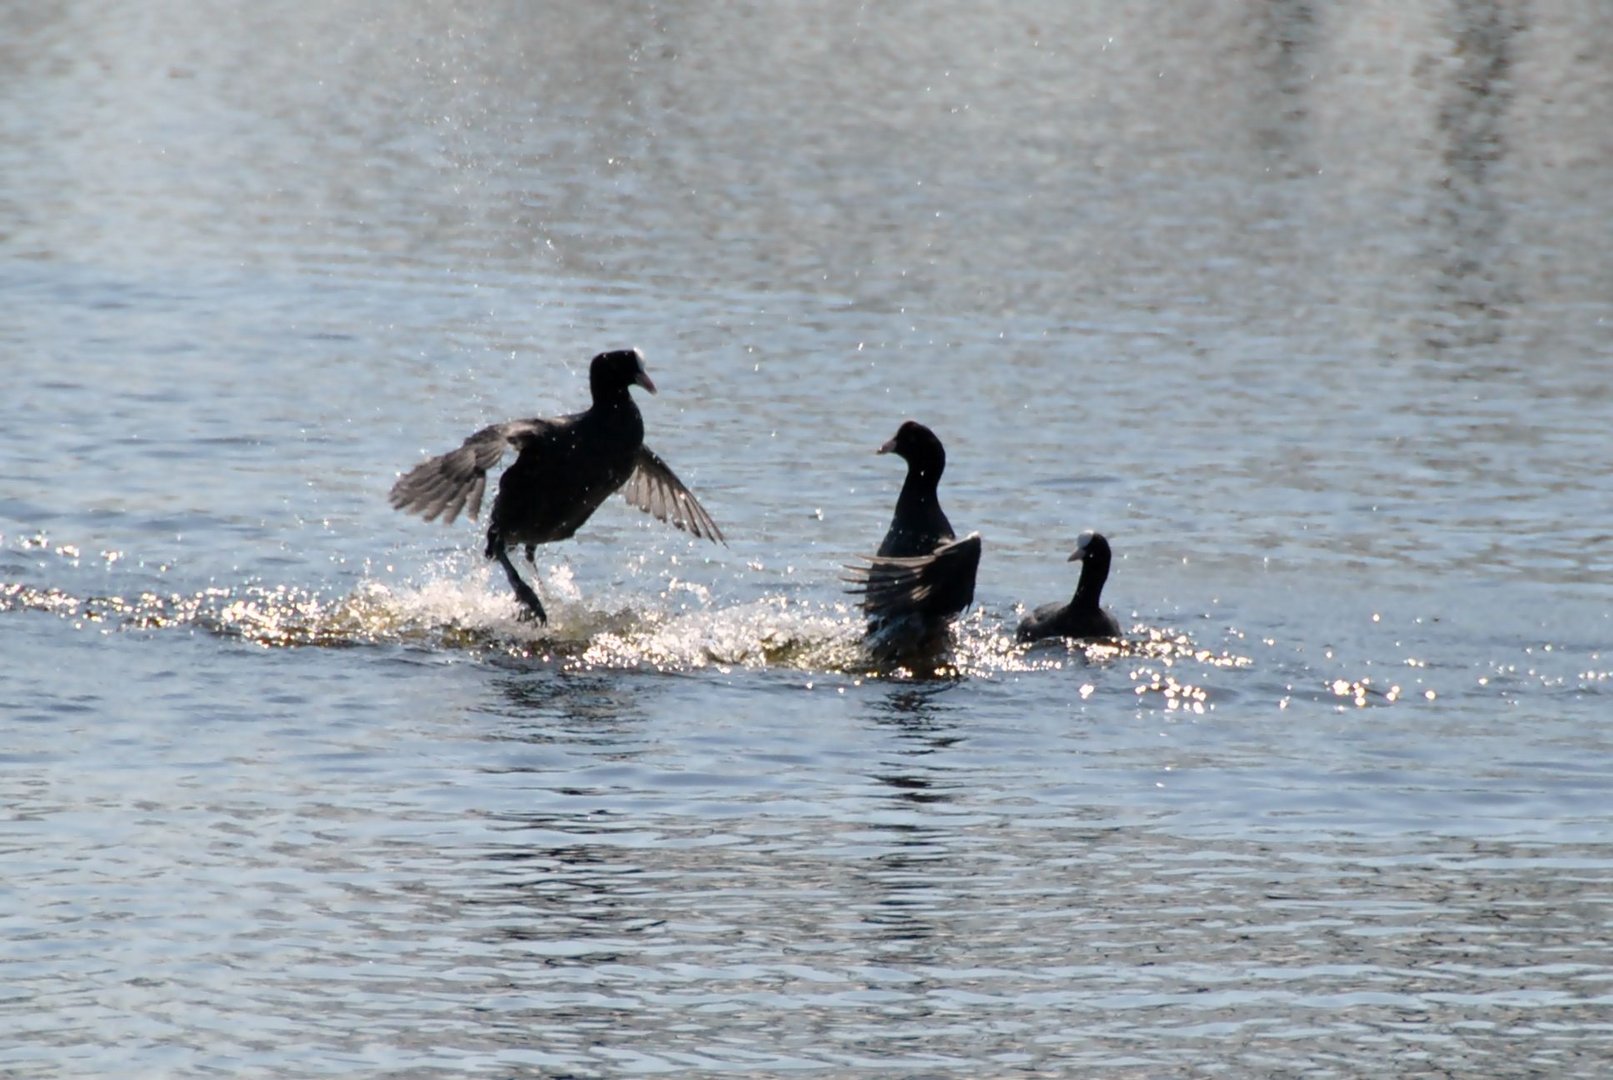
554,703
1473,282
917,853
1286,42
922,712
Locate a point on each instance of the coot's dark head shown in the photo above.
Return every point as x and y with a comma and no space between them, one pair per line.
1090,547
1092,552
919,447
613,372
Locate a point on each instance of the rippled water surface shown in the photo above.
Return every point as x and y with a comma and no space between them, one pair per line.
1307,306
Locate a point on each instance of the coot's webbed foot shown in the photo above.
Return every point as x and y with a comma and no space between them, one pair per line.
523,591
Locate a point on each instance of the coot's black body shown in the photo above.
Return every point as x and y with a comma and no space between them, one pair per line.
564,469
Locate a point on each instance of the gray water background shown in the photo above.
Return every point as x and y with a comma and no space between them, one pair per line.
1306,305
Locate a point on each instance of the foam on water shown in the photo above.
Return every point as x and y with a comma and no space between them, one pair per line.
683,627
458,606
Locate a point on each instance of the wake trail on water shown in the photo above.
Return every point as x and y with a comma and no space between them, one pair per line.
681,629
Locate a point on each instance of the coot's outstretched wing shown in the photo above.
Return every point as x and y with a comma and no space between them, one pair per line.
455,481
933,586
654,489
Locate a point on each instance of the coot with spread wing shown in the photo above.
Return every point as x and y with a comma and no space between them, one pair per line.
923,576
564,469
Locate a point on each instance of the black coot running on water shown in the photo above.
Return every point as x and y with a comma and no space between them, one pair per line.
564,468
1081,617
923,575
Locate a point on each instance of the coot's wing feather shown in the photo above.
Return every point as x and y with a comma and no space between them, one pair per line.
931,586
457,480
655,489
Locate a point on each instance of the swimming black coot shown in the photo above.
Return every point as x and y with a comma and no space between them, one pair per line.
563,470
1081,617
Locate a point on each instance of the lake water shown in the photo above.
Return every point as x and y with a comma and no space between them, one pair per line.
1308,306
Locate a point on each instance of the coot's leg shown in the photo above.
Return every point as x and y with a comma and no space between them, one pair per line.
523,591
